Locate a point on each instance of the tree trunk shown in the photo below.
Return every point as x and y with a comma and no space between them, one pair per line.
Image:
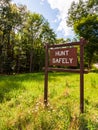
8,67
17,68
31,60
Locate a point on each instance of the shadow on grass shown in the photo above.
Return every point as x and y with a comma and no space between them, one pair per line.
87,124
23,77
61,73
32,76
10,83
94,71
58,75
6,87
13,84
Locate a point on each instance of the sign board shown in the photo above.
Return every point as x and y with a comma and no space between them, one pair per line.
63,57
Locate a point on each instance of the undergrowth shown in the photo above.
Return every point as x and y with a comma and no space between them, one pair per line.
22,107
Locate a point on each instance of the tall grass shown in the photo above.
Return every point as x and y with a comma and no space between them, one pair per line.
22,108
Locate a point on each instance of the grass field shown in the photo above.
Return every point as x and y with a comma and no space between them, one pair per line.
22,108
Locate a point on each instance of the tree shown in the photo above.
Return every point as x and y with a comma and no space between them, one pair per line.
4,5
22,38
10,21
83,17
48,35
35,32
30,34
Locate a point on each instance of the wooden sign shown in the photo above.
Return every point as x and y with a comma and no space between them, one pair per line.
63,57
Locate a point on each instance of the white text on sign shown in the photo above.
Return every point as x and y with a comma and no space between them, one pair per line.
63,57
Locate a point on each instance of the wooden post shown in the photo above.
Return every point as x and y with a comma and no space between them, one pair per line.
46,76
81,71
81,76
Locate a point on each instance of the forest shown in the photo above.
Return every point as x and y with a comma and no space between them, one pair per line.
22,38
23,35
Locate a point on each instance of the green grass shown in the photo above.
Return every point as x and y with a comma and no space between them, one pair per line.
22,108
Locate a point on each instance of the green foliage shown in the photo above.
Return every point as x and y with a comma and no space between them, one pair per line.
21,102
22,38
87,28
81,9
83,17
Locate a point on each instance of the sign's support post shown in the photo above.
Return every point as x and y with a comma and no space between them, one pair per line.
81,76
60,62
46,76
